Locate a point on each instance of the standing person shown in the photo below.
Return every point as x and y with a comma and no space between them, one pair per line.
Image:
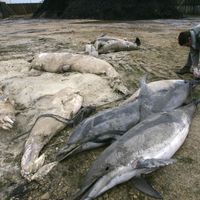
191,38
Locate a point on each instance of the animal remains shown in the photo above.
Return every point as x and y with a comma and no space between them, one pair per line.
143,149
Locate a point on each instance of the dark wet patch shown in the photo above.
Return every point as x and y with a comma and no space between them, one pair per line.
186,160
20,192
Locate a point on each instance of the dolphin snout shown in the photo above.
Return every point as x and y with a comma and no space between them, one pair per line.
66,151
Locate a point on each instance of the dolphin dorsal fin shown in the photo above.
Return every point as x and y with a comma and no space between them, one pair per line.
143,81
144,91
153,163
145,94
143,186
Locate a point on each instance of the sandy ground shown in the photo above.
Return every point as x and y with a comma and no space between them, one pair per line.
159,55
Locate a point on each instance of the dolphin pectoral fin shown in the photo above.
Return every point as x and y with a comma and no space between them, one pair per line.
154,163
143,186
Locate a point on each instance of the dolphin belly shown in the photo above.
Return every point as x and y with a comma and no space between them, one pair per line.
116,177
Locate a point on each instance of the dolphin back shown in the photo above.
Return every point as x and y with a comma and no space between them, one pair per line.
112,121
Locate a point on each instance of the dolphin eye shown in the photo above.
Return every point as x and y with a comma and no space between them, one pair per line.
107,168
164,90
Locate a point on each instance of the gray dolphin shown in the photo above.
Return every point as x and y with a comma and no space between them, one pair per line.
104,127
143,149
101,128
169,95
179,88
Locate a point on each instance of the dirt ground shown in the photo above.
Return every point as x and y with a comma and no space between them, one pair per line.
159,55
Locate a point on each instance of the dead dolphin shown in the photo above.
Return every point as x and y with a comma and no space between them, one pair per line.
62,104
107,44
7,112
171,95
64,62
104,127
143,149
101,129
179,88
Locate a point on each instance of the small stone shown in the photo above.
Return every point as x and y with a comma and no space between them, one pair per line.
65,189
45,196
135,196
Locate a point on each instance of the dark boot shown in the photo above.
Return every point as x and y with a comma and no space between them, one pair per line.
184,70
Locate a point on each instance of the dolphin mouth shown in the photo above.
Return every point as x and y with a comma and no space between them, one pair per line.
67,151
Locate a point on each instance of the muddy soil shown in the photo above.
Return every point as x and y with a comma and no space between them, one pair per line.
159,55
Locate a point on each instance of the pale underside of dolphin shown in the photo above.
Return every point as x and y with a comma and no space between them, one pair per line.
106,126
143,149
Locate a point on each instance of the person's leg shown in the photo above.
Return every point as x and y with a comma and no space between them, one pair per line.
187,67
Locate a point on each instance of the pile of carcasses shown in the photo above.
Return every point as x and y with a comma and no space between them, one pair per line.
143,134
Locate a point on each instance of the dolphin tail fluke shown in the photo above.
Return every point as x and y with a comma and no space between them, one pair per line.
143,186
154,163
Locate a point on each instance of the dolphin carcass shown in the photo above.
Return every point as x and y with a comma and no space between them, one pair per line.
106,126
53,95
63,104
107,44
102,128
143,149
65,62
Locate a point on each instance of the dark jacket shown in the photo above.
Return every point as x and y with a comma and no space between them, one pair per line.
193,57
